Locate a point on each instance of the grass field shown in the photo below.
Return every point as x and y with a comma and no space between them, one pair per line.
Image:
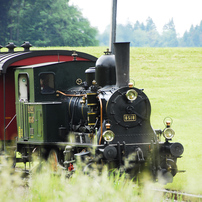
172,79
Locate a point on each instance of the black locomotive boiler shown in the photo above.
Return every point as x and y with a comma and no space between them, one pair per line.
91,113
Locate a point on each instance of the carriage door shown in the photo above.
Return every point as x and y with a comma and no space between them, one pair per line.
23,83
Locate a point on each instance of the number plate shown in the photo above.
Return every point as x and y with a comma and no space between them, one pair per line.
31,119
129,117
30,109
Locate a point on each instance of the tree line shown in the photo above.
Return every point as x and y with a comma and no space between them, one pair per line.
56,23
45,23
146,35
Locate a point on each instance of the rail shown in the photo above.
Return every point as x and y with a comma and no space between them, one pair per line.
179,194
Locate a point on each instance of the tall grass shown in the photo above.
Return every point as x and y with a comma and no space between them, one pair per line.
45,185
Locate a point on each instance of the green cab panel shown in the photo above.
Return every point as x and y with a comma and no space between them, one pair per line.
41,112
41,121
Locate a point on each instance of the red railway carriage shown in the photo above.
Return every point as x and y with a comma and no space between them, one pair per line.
8,62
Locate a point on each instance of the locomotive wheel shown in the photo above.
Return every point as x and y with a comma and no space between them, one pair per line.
53,160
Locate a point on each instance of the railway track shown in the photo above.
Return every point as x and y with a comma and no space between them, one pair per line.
178,195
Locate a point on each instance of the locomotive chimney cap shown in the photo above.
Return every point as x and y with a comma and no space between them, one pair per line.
26,45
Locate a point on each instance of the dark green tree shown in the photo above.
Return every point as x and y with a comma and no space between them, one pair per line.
50,23
4,21
15,20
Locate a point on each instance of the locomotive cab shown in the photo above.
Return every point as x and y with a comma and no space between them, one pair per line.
42,116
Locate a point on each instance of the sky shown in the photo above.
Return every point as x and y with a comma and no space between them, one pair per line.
184,12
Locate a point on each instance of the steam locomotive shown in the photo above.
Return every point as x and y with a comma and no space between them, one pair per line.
74,110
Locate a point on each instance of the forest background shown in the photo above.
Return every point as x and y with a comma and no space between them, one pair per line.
56,23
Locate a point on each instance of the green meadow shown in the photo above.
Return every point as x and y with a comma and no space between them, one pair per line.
172,79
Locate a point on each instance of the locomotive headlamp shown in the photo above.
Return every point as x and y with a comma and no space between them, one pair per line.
108,135
131,94
168,133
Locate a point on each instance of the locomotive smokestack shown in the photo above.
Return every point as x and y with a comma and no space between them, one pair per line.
122,54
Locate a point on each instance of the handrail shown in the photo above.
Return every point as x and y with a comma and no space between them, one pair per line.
101,117
70,95
10,122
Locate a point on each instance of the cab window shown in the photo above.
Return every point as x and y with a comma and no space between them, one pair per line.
47,83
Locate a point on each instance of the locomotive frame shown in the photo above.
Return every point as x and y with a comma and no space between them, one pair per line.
91,113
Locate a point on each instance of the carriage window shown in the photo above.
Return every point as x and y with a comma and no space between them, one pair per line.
23,83
47,83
